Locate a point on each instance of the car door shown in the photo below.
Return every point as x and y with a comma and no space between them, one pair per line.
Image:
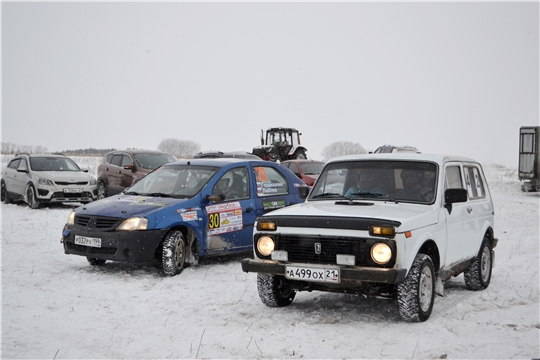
480,209
460,223
11,176
272,189
229,221
126,175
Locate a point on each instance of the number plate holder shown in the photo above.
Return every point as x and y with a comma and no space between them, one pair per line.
88,241
313,273
72,191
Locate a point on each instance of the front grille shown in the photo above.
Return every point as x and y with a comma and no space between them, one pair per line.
302,249
80,183
97,222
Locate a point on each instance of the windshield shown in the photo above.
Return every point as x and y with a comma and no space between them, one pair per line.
52,163
405,181
153,161
311,168
181,181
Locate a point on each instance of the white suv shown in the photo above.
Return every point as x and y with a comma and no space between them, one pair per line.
46,178
391,225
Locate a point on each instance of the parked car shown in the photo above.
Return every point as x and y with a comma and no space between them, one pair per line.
307,170
182,211
40,179
120,169
398,226
396,149
220,154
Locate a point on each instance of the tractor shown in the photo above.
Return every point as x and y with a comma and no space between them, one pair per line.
280,144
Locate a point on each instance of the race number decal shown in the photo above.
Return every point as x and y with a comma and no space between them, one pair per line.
224,218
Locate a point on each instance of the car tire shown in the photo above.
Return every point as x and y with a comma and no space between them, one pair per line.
274,290
31,199
5,197
478,275
416,294
174,253
102,190
96,262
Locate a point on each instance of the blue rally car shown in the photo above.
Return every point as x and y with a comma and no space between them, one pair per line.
182,211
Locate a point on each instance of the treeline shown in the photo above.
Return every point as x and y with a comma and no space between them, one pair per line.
12,149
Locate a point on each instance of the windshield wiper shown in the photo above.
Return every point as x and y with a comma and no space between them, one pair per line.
330,195
368,195
131,193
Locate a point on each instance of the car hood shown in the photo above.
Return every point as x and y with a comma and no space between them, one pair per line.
125,206
65,176
411,216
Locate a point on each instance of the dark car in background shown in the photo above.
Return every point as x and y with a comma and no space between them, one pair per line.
182,211
120,169
307,170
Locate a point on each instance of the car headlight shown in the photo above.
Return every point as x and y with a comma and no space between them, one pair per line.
385,231
265,245
381,253
71,218
43,181
92,181
134,223
265,225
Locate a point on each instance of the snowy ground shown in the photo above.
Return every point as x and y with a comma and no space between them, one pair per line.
56,306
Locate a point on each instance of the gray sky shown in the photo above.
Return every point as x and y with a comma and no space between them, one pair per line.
457,78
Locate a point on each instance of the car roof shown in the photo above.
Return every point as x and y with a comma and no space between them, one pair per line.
218,162
138,151
302,161
41,155
437,158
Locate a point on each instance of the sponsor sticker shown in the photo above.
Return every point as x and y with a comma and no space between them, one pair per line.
224,218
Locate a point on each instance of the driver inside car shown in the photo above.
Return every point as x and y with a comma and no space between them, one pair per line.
367,185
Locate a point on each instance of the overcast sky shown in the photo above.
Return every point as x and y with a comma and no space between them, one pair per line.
457,78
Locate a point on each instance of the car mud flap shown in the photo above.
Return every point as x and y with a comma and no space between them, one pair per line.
439,286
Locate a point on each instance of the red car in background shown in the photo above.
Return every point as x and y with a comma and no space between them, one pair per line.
307,170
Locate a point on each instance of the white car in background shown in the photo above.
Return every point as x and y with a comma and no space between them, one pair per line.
46,178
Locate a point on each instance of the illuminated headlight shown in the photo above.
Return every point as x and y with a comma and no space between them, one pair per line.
43,181
92,181
266,226
381,253
71,218
265,245
134,223
386,231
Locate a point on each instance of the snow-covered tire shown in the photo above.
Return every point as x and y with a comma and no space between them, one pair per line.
416,294
5,197
174,253
274,290
478,275
95,262
31,199
102,190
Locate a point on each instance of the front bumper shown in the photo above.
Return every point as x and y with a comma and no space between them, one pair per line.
351,273
130,246
50,194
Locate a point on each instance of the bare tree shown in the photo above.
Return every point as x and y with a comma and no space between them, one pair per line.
342,148
179,148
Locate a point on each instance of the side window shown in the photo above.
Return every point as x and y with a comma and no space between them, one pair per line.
293,168
453,178
14,164
108,158
126,160
233,185
270,182
475,186
116,160
23,165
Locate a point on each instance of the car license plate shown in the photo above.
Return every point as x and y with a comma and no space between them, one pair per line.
72,190
312,274
87,241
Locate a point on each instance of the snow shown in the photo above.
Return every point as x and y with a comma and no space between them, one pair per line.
56,306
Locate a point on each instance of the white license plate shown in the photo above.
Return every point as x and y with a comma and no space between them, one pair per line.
87,241
72,190
322,274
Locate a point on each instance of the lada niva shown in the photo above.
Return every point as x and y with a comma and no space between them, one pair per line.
182,211
390,225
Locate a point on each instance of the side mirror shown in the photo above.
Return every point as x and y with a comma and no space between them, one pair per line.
129,167
22,170
303,192
452,196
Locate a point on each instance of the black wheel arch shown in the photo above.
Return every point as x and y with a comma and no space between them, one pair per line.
192,244
430,248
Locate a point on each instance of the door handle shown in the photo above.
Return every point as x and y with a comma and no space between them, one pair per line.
469,209
249,209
